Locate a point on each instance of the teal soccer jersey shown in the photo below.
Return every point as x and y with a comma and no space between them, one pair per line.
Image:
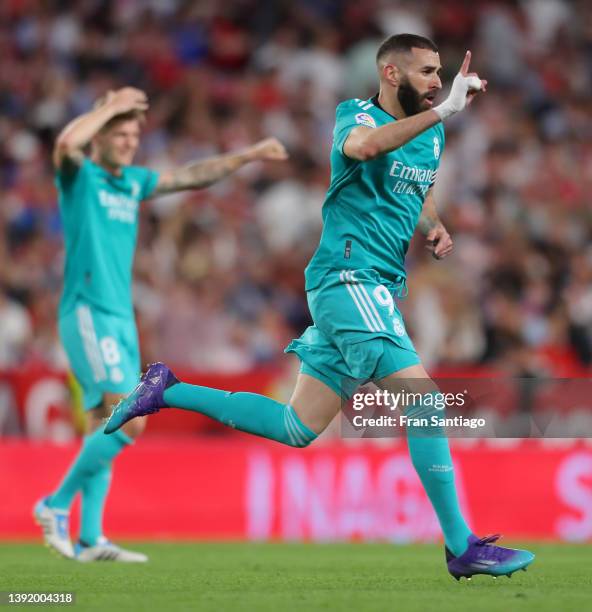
100,219
96,322
369,215
372,207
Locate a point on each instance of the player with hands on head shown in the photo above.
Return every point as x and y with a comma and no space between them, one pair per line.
99,197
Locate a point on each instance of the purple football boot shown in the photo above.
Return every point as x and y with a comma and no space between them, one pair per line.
146,398
484,557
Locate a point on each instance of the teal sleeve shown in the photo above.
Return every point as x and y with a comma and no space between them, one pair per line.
345,121
69,173
149,182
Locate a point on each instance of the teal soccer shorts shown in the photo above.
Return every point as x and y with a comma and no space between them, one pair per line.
358,333
102,349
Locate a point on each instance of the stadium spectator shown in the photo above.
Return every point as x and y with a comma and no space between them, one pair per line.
513,185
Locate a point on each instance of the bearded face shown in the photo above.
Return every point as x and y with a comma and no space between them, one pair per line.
411,100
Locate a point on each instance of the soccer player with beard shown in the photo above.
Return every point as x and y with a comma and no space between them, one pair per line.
385,156
99,196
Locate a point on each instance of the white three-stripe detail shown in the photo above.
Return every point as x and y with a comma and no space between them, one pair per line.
295,435
357,289
90,343
369,301
291,436
300,439
369,324
291,432
366,302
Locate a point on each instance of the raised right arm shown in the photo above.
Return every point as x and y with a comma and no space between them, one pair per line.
78,133
364,143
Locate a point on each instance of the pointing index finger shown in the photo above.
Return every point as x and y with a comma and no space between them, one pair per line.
464,69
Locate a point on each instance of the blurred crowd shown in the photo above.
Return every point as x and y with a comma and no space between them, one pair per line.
218,272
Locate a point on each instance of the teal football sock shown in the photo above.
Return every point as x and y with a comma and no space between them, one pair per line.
430,455
94,494
96,455
248,412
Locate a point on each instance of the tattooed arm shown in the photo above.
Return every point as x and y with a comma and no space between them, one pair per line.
204,173
438,239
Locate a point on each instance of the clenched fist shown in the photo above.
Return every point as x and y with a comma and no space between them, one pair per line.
439,242
270,149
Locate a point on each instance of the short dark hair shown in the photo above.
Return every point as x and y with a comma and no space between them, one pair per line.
133,115
404,43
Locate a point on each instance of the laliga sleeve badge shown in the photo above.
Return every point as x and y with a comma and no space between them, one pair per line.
365,119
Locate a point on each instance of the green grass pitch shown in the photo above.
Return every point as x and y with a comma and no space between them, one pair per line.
242,577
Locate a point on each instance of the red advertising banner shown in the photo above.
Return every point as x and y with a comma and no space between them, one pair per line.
236,487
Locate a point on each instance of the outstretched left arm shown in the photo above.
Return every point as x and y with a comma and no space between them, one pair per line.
438,239
204,173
